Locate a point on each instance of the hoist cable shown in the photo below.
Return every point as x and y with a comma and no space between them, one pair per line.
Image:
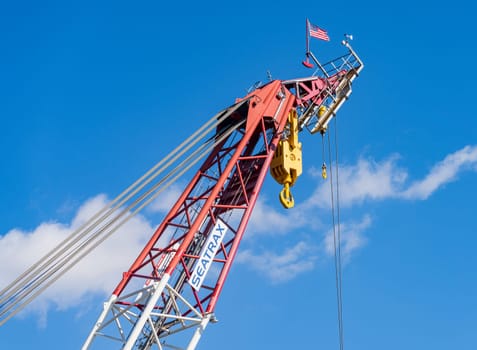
57,251
323,146
189,162
38,277
337,255
340,274
79,233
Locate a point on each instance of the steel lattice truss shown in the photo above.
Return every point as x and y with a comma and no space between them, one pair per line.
153,302
157,299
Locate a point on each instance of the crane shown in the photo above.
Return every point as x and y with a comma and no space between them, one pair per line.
168,296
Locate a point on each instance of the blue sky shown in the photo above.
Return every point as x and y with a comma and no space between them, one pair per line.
92,94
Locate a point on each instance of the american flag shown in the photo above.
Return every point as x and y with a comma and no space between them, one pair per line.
317,32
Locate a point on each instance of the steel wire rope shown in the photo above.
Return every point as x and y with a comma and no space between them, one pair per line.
30,287
61,252
64,250
104,227
112,209
57,251
186,160
337,255
340,274
34,269
146,202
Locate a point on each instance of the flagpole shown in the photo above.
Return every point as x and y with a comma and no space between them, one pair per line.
307,38
306,62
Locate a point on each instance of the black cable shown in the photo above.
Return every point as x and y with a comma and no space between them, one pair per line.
339,225
337,255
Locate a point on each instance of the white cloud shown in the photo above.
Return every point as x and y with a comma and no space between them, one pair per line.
266,220
166,199
367,180
98,273
280,267
372,180
443,172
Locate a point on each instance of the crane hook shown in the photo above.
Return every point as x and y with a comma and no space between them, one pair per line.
286,198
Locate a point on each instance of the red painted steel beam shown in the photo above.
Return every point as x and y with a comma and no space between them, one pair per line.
233,173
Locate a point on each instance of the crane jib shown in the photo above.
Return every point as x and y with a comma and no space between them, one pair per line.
209,218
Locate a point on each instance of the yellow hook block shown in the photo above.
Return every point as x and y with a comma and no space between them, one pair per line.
286,163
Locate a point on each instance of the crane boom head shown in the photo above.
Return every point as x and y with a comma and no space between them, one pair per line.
319,97
317,100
